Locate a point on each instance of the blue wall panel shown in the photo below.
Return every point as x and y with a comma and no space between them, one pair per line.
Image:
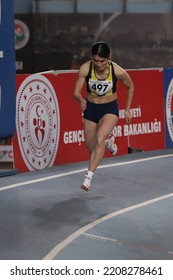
7,69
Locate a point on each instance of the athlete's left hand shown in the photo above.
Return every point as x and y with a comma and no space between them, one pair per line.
128,116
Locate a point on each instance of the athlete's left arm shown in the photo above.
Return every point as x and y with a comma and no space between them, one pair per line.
128,83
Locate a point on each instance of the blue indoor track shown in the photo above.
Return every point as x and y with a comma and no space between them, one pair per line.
127,215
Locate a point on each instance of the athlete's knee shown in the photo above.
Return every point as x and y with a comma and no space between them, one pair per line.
100,140
90,149
90,146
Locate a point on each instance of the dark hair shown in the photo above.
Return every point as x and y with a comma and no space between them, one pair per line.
101,49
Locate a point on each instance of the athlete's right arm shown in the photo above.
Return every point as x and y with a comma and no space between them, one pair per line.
77,93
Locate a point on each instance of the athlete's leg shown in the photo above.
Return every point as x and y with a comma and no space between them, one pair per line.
105,127
95,138
90,130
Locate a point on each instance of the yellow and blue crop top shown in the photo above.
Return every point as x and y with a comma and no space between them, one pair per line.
100,87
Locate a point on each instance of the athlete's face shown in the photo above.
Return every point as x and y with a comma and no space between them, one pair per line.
100,62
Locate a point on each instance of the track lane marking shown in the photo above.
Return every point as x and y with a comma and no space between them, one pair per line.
58,248
12,186
98,237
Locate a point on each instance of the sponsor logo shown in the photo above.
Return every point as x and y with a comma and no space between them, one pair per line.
37,122
22,34
6,153
169,109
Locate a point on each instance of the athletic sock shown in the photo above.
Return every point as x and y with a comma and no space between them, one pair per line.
109,141
108,144
89,174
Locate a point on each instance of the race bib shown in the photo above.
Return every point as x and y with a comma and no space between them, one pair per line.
100,87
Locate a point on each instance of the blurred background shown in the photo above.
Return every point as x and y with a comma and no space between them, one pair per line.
58,34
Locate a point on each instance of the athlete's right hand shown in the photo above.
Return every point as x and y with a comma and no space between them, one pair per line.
82,104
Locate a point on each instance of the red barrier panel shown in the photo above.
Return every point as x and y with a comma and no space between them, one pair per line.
49,128
147,127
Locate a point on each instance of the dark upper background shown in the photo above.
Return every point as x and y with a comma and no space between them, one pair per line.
61,33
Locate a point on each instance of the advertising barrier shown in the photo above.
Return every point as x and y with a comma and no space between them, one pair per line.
49,124
168,95
6,153
7,70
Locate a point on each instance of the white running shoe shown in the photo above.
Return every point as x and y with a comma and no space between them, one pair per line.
112,147
86,184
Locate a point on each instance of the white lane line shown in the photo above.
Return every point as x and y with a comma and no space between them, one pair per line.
40,180
98,237
135,161
171,253
57,249
12,186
